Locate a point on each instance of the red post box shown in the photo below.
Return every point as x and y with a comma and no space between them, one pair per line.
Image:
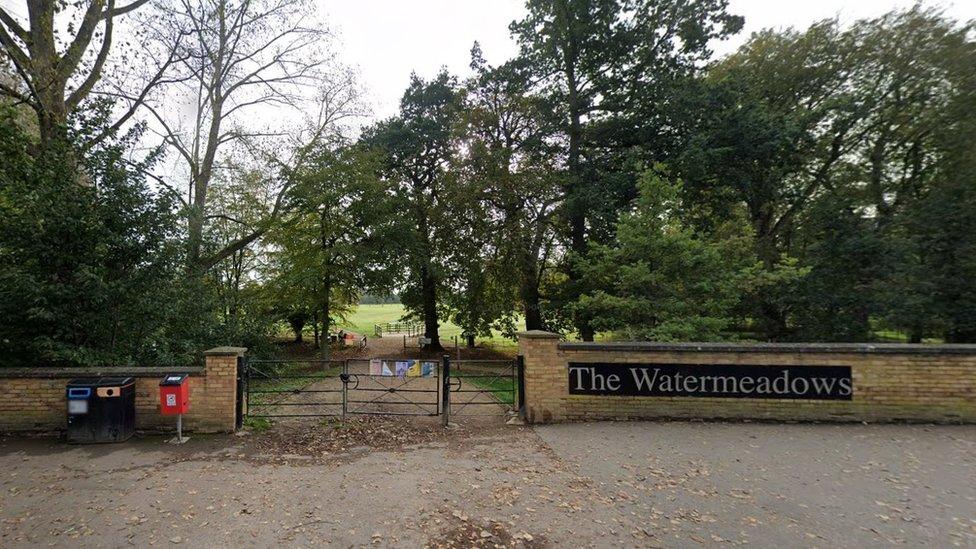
174,394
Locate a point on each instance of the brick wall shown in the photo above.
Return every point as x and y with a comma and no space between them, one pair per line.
33,399
894,382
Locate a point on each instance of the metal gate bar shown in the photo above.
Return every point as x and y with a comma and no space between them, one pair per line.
267,384
390,391
481,387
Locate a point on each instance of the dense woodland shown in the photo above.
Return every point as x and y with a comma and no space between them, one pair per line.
183,173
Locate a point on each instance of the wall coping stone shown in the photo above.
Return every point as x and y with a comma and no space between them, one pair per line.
803,348
225,351
115,371
538,334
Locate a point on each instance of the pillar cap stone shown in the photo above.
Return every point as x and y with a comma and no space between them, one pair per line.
538,334
225,351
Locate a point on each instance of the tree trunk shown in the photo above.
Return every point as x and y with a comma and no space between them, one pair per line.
529,292
53,124
315,330
469,339
429,289
326,286
577,218
47,80
297,322
195,220
326,321
574,192
772,317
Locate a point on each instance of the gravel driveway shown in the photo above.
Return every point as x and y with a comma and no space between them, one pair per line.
380,483
783,485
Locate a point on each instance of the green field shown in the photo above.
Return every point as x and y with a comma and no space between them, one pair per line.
364,317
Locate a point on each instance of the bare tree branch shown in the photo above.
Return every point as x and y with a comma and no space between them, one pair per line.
208,262
227,217
7,90
111,13
159,180
240,56
11,48
13,25
137,101
68,63
96,72
48,59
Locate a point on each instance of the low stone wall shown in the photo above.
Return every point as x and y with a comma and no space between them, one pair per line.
33,399
886,382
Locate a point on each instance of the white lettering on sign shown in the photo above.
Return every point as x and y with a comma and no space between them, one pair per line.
712,380
171,400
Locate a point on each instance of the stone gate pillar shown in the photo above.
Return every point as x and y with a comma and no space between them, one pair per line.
218,411
545,376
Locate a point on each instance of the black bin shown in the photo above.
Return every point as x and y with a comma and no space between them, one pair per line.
101,409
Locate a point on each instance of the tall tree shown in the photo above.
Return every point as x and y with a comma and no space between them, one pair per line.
241,195
662,280
808,129
511,166
239,56
601,60
342,238
417,150
88,275
60,55
928,183
478,293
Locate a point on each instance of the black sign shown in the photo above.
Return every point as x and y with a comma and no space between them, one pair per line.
711,380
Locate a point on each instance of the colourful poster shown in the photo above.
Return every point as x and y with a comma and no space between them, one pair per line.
428,369
386,370
401,368
375,367
414,370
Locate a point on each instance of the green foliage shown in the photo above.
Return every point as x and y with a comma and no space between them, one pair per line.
340,240
503,192
661,280
942,278
416,151
88,274
836,297
833,138
610,71
827,192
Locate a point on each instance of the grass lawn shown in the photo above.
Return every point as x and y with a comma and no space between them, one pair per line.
502,387
362,319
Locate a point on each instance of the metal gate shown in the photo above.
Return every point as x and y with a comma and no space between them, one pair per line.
293,388
484,387
393,387
389,387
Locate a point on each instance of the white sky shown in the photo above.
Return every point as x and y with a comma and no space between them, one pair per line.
387,39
